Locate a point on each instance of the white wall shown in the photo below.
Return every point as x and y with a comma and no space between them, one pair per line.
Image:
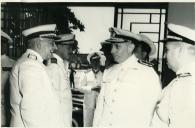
97,21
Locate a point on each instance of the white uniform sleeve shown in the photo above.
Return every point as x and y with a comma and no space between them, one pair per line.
183,112
54,75
156,89
32,94
145,96
99,107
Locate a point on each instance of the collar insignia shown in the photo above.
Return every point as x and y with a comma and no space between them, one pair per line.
149,64
183,75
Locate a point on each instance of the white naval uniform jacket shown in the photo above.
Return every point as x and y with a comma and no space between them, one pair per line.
33,99
59,75
6,63
176,106
128,95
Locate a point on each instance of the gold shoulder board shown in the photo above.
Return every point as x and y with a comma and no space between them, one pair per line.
149,64
32,56
53,60
183,75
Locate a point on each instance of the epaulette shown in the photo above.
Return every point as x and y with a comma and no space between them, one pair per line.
6,68
32,56
183,75
149,64
53,60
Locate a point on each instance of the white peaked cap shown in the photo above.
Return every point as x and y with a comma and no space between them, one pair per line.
5,35
41,30
182,31
120,35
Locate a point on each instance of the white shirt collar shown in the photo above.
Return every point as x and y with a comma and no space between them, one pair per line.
57,57
130,62
60,60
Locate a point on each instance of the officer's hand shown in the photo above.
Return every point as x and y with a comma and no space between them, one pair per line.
102,58
100,55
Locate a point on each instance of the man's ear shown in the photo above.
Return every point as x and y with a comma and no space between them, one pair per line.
131,47
180,48
38,43
191,49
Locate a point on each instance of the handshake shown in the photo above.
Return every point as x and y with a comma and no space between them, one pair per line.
97,61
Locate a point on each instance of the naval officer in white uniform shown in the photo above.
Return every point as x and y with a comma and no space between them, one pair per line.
6,66
176,105
33,99
93,85
58,68
129,89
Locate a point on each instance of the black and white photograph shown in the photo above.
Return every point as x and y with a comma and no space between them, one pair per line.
98,64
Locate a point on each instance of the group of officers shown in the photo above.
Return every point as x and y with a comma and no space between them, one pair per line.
130,92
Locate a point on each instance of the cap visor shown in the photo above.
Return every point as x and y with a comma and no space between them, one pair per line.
51,37
114,41
168,39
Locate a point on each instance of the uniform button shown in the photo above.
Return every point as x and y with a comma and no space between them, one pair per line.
115,90
113,101
111,113
110,124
